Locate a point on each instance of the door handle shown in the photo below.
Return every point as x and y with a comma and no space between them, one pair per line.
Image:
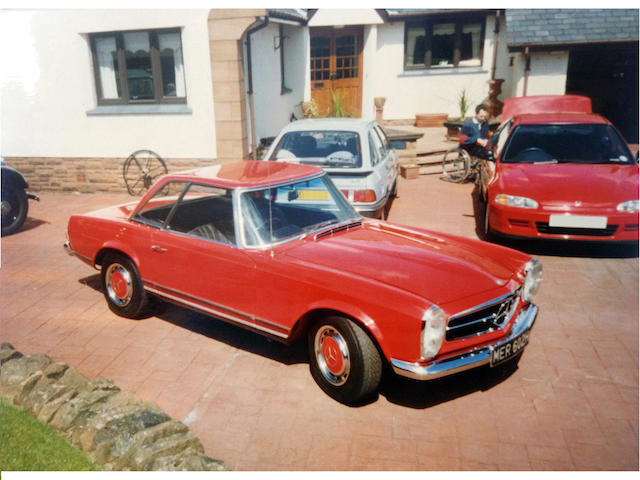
158,249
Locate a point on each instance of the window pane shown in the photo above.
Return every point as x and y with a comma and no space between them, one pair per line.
171,63
470,45
327,148
138,60
108,72
442,44
158,207
415,46
205,212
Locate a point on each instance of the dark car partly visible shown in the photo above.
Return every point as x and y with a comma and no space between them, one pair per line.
15,199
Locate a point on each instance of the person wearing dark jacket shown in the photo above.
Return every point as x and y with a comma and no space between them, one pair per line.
476,130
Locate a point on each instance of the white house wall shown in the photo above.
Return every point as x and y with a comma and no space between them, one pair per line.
47,87
344,16
273,109
430,91
547,76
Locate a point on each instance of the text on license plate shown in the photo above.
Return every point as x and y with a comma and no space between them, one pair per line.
313,195
508,350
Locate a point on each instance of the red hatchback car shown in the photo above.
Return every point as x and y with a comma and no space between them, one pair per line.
276,248
561,172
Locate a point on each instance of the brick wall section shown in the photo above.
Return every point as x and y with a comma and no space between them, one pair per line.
226,28
85,175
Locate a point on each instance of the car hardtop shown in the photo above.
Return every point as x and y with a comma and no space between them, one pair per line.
242,175
514,106
339,124
559,118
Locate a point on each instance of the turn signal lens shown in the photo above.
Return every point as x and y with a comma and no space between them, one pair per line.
630,206
515,201
434,325
364,196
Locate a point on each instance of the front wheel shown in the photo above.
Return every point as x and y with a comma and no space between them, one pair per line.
15,206
456,165
344,361
123,286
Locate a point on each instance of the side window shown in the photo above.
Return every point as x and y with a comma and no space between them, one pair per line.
386,146
503,134
158,208
375,145
205,212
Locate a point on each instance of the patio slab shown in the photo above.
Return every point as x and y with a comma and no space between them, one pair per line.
572,403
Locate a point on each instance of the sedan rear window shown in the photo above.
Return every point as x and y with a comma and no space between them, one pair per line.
337,149
570,143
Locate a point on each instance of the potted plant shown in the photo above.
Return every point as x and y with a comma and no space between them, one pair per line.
454,125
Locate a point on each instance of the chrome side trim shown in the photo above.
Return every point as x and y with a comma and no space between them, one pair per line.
249,322
472,359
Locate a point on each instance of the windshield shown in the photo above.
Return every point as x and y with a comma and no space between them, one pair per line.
275,214
572,143
325,148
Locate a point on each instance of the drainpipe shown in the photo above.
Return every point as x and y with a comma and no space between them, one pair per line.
496,31
263,22
527,69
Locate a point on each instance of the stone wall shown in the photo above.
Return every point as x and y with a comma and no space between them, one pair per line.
85,175
114,428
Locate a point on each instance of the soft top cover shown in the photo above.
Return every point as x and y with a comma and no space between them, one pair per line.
546,104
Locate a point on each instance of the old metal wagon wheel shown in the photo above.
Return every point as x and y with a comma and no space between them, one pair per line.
141,170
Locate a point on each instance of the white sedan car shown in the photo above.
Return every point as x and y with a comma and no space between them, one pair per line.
355,153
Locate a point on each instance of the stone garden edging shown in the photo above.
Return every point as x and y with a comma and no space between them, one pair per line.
114,428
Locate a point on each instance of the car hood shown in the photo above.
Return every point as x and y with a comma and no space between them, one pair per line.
570,182
437,267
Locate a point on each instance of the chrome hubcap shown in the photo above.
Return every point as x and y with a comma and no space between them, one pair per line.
332,355
118,284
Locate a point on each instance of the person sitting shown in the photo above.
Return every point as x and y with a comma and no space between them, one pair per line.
475,132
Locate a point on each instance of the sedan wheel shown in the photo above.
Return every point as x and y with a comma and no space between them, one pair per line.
14,209
344,361
123,286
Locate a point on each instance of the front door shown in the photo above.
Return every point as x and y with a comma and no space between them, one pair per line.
336,70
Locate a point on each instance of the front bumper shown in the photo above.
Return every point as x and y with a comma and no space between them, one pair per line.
468,360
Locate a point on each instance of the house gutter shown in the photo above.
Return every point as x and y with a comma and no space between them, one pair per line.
262,22
496,33
527,69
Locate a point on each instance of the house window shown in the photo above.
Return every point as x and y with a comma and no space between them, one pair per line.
138,67
444,44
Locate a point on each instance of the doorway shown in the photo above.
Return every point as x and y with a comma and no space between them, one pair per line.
608,74
336,70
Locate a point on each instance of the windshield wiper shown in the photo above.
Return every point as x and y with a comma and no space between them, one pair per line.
553,160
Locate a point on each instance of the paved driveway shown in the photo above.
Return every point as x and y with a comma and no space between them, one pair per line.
571,404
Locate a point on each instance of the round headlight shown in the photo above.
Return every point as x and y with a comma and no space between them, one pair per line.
630,206
532,279
434,324
515,201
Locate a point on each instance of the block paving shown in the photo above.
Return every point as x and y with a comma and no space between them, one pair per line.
571,404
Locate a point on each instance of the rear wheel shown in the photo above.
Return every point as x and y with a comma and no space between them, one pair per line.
123,286
344,361
456,165
14,209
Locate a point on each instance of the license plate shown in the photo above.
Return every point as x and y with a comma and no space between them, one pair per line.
577,221
508,350
313,195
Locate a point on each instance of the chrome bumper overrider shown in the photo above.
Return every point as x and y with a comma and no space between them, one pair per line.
67,248
467,360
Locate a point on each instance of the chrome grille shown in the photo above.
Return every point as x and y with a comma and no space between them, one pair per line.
483,318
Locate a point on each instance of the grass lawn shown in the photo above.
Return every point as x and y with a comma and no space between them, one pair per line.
28,444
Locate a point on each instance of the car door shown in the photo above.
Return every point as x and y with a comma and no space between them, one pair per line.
488,167
196,259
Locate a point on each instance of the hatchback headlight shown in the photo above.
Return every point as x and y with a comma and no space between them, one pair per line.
434,324
515,201
630,206
532,279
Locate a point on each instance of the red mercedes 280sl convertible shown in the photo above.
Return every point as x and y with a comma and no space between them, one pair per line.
276,248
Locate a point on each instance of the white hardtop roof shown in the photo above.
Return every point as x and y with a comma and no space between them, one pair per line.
353,124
